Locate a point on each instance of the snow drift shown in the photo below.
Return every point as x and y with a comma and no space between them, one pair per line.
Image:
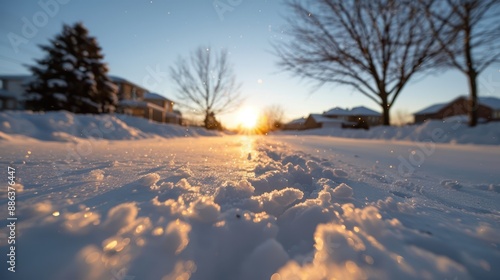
64,127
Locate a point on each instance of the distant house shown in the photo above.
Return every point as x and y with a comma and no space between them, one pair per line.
128,90
355,115
322,121
170,115
296,124
488,109
133,99
137,101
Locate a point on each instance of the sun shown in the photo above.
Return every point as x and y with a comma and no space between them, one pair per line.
248,118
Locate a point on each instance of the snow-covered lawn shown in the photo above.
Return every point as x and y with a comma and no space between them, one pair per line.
452,130
252,207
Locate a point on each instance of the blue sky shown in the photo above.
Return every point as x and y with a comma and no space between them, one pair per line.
140,37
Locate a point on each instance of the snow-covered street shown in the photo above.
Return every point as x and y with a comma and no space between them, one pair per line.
254,207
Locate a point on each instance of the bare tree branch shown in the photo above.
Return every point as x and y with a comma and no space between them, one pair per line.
373,46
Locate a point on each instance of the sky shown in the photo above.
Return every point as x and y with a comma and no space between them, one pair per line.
142,39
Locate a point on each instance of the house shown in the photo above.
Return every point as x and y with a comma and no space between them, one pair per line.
488,109
296,124
356,115
170,115
12,88
133,99
138,101
322,121
128,90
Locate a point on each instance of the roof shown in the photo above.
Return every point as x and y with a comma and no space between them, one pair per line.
356,111
297,121
116,79
363,111
432,109
139,104
488,101
155,96
335,111
319,118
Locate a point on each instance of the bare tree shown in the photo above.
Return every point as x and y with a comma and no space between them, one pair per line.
206,84
469,33
373,46
271,118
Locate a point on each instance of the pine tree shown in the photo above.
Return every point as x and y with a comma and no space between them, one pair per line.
72,75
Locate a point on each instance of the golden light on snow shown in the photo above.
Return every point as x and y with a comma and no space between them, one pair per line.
248,118
158,231
276,276
111,245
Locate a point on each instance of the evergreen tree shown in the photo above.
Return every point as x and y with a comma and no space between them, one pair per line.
72,75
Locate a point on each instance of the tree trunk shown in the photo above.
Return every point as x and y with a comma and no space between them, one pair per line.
473,105
206,121
386,120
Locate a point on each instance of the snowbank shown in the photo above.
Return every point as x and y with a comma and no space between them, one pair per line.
64,127
450,131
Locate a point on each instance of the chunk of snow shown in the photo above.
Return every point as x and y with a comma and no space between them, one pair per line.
343,191
232,191
340,173
96,175
149,181
176,236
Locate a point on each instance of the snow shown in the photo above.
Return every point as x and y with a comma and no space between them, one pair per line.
322,119
431,109
60,97
297,121
68,127
150,205
355,111
488,101
154,96
435,131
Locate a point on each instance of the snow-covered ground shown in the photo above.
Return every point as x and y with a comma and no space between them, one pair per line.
67,127
452,130
251,207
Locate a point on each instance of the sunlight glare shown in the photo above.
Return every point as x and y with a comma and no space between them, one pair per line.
248,118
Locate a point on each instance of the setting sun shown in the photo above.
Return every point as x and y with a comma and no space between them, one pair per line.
248,118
